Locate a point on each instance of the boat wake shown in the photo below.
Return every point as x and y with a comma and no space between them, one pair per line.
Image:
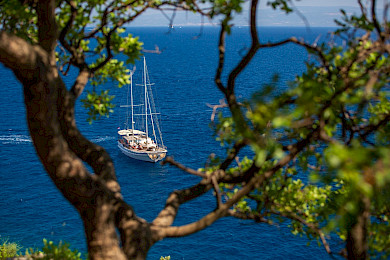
102,139
15,139
22,139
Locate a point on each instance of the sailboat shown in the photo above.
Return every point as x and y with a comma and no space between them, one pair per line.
142,140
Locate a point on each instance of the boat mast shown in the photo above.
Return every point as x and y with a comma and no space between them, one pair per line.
146,106
132,105
151,119
127,108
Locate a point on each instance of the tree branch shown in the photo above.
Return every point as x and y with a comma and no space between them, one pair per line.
91,153
233,153
312,226
92,195
171,161
221,60
16,53
248,57
214,181
47,25
222,104
80,82
222,211
65,30
168,214
375,21
251,216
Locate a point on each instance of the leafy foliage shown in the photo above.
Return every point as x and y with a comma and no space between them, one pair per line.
50,250
91,34
9,249
282,4
98,104
19,19
331,128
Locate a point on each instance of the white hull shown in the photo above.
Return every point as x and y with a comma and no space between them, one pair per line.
147,156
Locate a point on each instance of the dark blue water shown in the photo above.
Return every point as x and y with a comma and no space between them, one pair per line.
31,208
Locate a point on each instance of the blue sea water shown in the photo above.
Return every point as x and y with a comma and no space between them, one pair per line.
31,208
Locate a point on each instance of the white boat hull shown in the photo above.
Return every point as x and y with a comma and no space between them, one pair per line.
142,155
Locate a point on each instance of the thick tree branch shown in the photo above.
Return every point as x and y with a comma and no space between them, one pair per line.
168,214
220,212
86,192
91,153
47,25
42,87
16,53
80,82
177,198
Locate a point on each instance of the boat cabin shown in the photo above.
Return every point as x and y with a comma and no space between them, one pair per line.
136,140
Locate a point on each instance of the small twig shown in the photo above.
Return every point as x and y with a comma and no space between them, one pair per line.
217,191
313,227
222,104
315,168
250,216
156,50
375,21
304,19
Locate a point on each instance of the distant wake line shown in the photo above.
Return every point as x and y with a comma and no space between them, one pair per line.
19,139
102,139
14,139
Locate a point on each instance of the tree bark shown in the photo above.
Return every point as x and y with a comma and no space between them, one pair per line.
357,245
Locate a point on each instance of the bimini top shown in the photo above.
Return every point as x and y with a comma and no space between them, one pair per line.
128,132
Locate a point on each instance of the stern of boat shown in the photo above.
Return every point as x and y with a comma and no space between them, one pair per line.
155,157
